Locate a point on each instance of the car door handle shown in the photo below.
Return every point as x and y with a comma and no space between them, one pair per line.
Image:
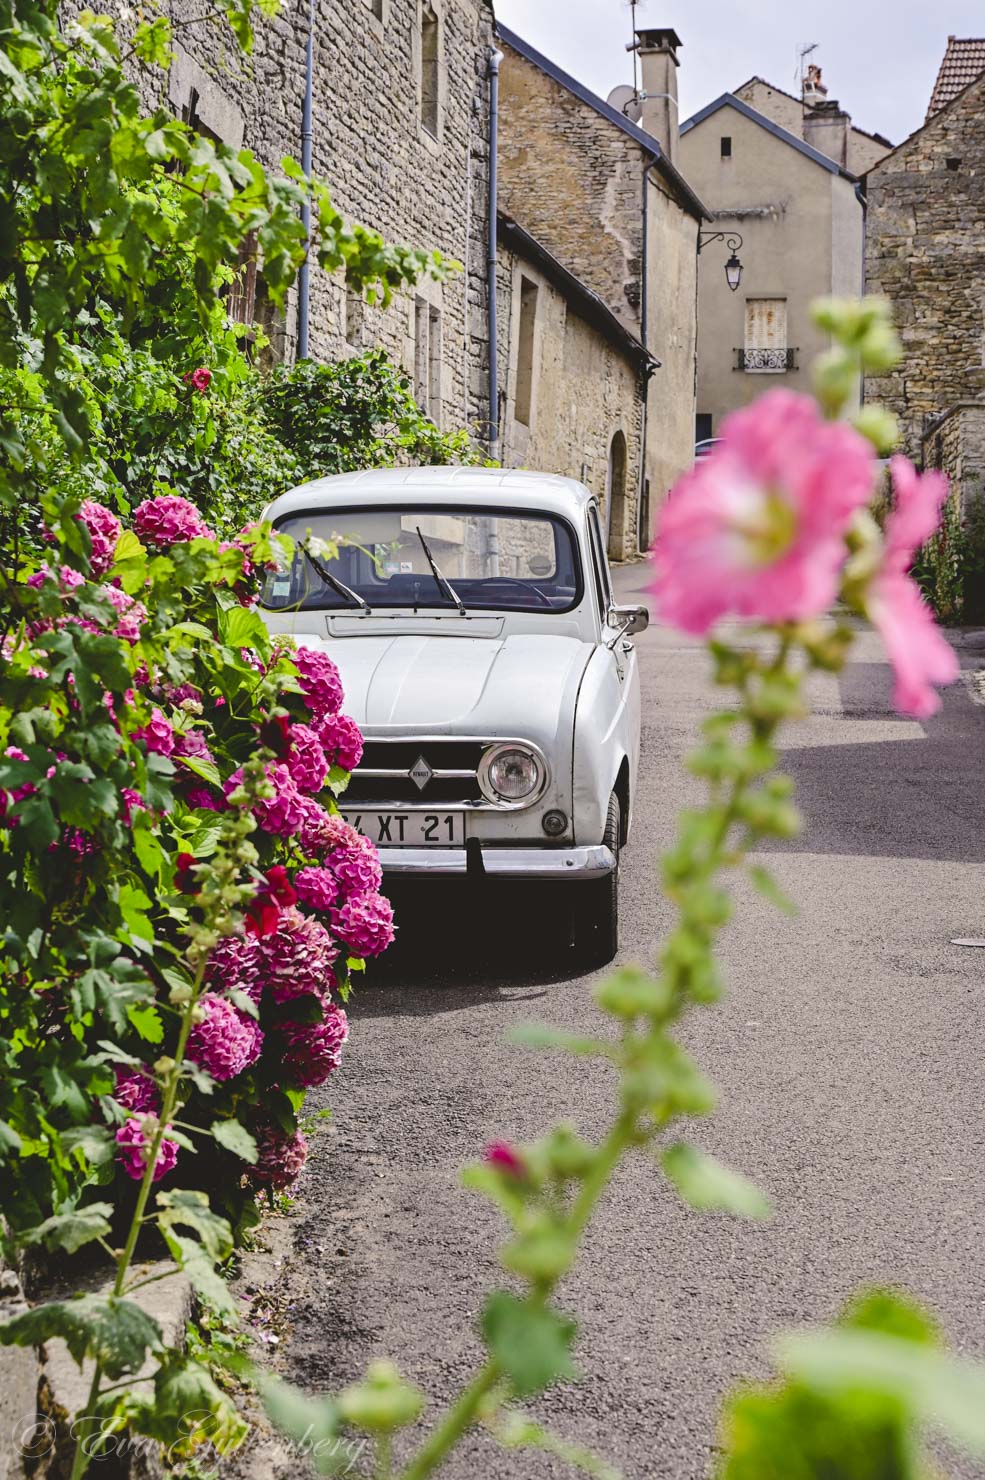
627,647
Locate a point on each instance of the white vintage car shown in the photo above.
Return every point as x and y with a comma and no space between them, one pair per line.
471,615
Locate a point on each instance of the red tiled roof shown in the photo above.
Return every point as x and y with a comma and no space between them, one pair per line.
963,61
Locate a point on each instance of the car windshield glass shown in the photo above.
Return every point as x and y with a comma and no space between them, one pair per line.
495,560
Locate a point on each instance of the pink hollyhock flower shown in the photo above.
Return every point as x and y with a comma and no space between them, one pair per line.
280,814
104,530
281,1157
132,614
199,379
365,924
920,654
307,763
133,1141
505,1158
168,520
275,735
314,1049
136,1090
157,734
342,741
321,831
185,876
756,529
316,888
264,909
320,681
296,959
234,966
226,1041
356,866
69,580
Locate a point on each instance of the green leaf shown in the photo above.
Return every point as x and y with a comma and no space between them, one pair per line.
236,1138
146,1020
538,1035
208,770
191,1209
133,902
69,1231
114,1332
94,1141
515,1429
767,886
709,1186
313,1422
241,628
531,1343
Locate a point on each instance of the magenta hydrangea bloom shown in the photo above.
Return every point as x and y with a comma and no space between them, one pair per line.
68,580
296,958
132,802
136,1090
921,656
315,1049
356,866
306,760
104,530
168,520
280,1159
365,924
157,734
756,530
226,1041
282,813
234,965
133,1147
320,681
199,797
192,743
320,831
342,740
132,614
316,887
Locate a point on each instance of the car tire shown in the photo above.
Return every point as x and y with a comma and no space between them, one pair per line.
595,905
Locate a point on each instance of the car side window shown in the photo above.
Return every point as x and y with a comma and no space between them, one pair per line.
599,563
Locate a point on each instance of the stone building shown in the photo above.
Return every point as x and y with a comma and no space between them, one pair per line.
925,251
600,196
783,199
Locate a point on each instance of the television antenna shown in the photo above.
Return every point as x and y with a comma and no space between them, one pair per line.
633,4
803,52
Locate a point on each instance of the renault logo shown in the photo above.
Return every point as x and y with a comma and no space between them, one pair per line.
420,773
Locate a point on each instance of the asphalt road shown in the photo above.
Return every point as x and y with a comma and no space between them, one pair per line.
848,1056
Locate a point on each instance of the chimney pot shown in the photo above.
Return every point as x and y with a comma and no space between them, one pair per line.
658,47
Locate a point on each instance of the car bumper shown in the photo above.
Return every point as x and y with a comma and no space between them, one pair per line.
501,863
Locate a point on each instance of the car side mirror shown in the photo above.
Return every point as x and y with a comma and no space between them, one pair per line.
629,619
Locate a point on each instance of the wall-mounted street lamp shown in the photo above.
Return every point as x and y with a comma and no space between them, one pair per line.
733,267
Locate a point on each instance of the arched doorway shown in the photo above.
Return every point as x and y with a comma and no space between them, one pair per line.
616,498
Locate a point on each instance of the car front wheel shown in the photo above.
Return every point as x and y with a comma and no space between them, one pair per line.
595,905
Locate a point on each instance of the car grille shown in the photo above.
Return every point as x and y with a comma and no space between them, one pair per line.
383,774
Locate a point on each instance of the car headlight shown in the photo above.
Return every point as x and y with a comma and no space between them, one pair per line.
511,773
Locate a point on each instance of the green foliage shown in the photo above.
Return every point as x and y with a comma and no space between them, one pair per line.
530,1343
950,568
710,1187
115,1333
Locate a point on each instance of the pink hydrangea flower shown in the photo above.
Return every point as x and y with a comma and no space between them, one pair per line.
132,802
320,831
281,1157
17,793
68,580
282,813
234,966
226,1041
356,866
157,734
168,520
314,1049
306,761
132,614
320,681
199,797
181,695
104,530
296,959
136,1090
365,924
316,887
756,529
133,1141
920,654
342,740
192,743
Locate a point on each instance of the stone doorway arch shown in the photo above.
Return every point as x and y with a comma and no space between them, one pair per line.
615,502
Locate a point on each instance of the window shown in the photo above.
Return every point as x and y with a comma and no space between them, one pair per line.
953,165
427,358
702,426
525,352
376,9
434,364
766,335
429,69
355,318
726,146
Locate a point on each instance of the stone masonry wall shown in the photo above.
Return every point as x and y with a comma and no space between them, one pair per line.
956,445
925,250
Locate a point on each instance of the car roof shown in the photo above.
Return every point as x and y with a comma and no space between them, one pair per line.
513,487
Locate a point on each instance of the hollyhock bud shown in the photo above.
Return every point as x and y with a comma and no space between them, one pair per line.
505,1158
184,876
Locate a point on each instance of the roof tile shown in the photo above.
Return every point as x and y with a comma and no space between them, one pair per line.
963,61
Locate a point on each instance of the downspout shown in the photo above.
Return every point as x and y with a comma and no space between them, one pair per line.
494,60
304,281
642,544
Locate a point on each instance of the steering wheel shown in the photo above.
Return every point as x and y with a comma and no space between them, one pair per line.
513,581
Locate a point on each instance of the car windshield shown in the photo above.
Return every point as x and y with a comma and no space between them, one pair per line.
498,560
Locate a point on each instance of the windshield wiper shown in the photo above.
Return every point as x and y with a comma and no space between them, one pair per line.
339,587
442,582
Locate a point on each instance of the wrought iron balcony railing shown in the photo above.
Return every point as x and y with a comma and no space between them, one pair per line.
769,361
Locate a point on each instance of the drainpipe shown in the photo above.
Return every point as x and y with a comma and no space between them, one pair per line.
642,544
494,60
304,282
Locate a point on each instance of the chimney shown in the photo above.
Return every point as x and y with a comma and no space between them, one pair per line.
812,89
826,128
658,56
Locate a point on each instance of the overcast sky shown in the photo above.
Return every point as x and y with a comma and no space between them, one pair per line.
879,57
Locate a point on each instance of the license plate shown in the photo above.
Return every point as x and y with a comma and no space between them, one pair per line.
410,829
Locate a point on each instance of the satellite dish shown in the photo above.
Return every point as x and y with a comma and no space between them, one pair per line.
625,101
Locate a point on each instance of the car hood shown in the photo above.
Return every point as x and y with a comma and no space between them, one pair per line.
520,686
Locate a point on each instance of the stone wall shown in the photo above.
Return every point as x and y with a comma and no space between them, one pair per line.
956,445
385,168
924,251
